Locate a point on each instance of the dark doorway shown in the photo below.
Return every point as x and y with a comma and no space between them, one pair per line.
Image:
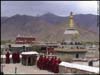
1,73
29,60
77,55
90,63
24,48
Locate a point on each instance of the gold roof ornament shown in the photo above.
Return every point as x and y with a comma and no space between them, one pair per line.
71,21
71,28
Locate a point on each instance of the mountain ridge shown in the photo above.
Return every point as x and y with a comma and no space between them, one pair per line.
45,25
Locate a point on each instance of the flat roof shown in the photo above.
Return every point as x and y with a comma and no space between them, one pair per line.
29,53
70,50
2,46
20,45
80,67
4,56
24,70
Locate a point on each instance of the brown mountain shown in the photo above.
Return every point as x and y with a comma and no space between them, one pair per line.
48,27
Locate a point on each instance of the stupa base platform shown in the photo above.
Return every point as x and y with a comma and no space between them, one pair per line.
71,31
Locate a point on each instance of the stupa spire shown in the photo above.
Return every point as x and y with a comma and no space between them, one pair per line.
71,21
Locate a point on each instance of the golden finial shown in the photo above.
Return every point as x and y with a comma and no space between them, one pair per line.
71,22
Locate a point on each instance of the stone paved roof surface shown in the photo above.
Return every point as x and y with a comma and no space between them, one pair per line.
21,69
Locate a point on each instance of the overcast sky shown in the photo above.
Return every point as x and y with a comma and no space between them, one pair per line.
61,8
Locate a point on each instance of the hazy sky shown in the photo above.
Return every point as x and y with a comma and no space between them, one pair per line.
62,8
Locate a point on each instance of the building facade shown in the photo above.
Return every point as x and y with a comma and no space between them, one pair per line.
25,40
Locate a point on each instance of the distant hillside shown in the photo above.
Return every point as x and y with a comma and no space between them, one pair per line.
48,26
